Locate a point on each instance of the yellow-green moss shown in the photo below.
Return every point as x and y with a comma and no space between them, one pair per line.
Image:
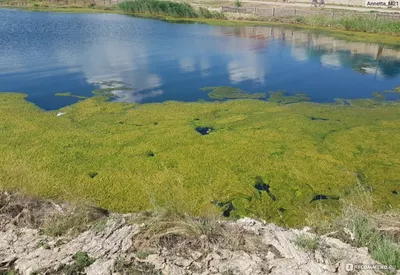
299,150
226,92
283,98
68,94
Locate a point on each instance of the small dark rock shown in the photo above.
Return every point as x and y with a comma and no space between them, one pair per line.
394,192
150,154
196,118
281,209
156,123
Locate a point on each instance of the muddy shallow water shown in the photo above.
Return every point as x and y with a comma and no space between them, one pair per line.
47,53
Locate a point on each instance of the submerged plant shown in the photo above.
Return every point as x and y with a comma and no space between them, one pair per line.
70,95
226,92
282,97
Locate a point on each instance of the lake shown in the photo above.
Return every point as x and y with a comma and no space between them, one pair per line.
43,53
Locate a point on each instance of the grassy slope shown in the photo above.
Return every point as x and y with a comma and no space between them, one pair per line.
46,155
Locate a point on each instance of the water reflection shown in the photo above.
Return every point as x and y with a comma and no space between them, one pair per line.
162,61
365,58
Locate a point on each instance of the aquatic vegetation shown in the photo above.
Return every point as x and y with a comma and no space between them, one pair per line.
108,87
378,99
226,92
70,95
88,154
382,96
111,83
175,9
378,96
283,98
108,92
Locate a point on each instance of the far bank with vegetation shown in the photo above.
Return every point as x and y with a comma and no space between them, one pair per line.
354,25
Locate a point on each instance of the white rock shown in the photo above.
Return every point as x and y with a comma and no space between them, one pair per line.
280,255
101,267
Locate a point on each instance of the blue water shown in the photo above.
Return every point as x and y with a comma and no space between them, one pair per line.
46,53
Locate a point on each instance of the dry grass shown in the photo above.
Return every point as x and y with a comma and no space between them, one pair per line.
308,243
47,215
359,224
364,232
21,210
181,232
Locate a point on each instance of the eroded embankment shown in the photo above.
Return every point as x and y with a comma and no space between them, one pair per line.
48,237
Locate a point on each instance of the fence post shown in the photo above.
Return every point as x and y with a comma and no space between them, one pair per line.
294,12
333,14
273,12
376,16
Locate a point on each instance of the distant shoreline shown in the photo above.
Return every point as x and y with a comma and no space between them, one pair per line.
383,38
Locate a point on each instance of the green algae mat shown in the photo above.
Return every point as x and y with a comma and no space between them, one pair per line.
236,158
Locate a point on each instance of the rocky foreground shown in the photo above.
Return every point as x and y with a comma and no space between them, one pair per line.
126,244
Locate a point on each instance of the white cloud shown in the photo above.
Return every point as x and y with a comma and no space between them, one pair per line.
247,68
205,66
331,60
187,65
299,53
135,96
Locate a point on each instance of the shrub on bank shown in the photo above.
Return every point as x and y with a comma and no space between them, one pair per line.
205,13
157,7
